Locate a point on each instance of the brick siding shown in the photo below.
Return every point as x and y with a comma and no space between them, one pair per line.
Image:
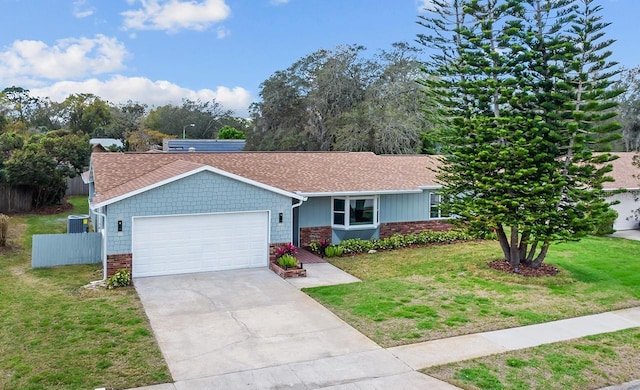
116,262
389,229
311,234
272,250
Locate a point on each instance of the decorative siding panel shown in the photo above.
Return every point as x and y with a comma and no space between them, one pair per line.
404,207
204,192
50,250
315,212
364,234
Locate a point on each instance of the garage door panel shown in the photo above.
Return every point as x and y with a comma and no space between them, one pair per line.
199,243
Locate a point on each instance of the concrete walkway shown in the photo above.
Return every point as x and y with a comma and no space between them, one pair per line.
454,349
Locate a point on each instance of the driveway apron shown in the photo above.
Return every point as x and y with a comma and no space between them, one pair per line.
250,326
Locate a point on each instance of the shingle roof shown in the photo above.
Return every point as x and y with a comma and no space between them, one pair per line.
623,172
149,178
117,174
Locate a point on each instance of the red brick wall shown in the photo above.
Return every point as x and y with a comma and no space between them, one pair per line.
272,250
310,234
389,229
116,262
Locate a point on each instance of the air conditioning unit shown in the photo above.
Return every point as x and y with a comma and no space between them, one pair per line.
78,224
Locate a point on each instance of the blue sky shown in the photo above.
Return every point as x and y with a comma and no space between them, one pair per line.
162,51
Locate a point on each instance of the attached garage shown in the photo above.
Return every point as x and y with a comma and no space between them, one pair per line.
625,207
176,244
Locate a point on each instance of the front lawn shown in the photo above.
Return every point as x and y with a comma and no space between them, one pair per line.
420,294
58,335
591,362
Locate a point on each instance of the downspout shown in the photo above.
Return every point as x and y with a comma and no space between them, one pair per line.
293,206
103,231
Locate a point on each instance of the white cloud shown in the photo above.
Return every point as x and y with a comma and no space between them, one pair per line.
81,9
120,89
278,2
222,32
175,15
69,58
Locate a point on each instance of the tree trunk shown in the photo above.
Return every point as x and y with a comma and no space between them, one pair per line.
532,252
504,243
524,244
541,256
515,251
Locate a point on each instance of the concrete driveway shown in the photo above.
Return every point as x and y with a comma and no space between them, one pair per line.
628,234
252,329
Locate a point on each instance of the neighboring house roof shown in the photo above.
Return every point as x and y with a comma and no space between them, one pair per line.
203,145
106,142
625,174
306,173
86,177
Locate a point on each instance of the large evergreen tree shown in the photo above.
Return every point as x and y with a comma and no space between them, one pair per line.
522,88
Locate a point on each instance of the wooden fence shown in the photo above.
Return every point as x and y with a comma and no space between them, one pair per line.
15,199
75,186
18,199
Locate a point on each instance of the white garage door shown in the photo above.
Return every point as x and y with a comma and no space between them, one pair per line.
626,216
199,243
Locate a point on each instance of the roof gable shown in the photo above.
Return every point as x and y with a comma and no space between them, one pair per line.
169,173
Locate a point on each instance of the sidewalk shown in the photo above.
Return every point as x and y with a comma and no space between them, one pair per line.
443,351
454,349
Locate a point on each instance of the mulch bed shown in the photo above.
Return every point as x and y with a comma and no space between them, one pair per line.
543,270
54,209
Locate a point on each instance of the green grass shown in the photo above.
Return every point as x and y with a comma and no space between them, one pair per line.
58,335
433,292
588,363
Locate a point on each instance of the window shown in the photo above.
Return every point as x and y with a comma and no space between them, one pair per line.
338,212
355,213
434,206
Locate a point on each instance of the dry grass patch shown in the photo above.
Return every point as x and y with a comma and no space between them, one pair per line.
58,335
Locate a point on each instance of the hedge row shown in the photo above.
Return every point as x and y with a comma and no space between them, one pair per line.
357,245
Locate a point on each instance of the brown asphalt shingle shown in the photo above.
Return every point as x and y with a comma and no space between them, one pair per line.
116,174
624,172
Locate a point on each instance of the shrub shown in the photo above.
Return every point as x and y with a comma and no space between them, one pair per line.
333,251
357,245
314,247
286,249
287,261
604,225
318,247
4,229
121,278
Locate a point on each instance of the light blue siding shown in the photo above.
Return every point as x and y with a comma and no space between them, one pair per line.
204,192
50,250
404,207
315,212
